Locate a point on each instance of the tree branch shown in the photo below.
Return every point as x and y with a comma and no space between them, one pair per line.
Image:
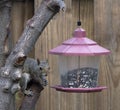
29,102
5,11
33,29
13,67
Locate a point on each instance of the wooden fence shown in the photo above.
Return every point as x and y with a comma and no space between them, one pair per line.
101,20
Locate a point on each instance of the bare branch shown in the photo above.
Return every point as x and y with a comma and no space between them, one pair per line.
5,98
33,30
30,35
11,73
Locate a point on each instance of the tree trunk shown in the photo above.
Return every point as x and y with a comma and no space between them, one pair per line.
5,10
12,71
30,102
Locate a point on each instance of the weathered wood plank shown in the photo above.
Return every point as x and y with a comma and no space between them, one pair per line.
107,33
59,30
17,20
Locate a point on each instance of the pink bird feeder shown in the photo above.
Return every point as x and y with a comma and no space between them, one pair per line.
79,59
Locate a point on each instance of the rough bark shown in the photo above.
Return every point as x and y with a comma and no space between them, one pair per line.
29,103
4,22
5,9
11,72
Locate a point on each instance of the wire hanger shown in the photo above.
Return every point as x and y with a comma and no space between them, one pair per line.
79,22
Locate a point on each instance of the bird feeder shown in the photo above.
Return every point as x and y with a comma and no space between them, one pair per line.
79,59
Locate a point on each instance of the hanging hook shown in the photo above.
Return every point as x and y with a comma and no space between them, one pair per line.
79,22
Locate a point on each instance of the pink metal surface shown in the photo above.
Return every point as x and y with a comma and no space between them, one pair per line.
79,90
79,41
79,45
79,32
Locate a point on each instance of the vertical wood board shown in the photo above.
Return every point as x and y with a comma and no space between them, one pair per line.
107,26
61,28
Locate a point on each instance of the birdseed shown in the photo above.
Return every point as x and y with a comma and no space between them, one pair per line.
80,78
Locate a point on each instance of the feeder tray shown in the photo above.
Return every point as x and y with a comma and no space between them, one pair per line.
78,90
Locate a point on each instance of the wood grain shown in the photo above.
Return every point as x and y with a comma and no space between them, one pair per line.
106,25
60,29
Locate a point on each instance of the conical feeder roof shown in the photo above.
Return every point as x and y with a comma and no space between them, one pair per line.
79,45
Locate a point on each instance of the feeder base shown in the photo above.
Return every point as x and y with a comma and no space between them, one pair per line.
78,90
